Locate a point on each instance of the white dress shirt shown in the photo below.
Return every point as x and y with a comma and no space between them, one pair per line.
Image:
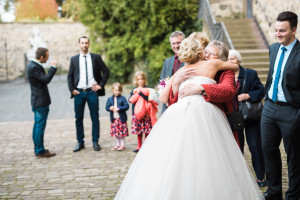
280,94
82,72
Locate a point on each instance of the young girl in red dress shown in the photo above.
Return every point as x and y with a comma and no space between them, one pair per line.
117,105
143,115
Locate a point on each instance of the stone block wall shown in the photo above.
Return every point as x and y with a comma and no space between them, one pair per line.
266,12
60,38
226,8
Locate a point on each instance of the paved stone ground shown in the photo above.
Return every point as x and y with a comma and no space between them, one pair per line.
83,175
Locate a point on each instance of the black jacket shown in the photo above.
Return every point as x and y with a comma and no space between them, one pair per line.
38,81
252,86
291,74
98,67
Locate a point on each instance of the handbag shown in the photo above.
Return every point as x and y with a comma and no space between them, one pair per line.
236,121
250,110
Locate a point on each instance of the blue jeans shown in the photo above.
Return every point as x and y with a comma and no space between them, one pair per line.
40,120
79,103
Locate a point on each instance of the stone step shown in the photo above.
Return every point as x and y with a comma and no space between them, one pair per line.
243,30
254,51
245,39
242,47
236,20
238,42
242,35
256,64
248,46
258,58
263,70
238,27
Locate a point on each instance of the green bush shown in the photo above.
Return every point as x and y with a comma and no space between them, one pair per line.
134,34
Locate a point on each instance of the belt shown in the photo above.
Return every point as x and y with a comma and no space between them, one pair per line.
280,103
85,90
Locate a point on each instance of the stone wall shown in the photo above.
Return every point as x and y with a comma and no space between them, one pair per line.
266,12
60,38
227,8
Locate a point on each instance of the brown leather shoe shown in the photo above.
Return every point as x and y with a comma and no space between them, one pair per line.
46,154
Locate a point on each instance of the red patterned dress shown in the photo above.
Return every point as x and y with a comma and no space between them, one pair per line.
142,126
118,127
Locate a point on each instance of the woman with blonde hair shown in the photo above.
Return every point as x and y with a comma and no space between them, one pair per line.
191,152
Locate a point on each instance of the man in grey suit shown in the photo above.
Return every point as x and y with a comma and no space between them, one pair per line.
281,114
172,64
40,98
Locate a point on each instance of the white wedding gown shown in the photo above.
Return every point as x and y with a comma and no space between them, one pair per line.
190,154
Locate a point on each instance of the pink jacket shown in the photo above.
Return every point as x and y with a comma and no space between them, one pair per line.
143,108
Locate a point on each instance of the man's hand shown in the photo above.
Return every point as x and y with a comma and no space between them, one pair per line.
53,63
111,108
190,89
243,97
96,87
75,92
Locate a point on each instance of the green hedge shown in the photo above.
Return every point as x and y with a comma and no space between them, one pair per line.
135,33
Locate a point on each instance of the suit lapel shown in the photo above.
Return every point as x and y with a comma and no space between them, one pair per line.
241,78
291,57
77,70
273,58
93,62
181,65
172,60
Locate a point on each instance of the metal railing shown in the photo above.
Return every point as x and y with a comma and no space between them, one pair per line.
218,31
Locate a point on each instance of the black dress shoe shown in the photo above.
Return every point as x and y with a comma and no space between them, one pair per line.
269,196
96,146
78,147
45,154
262,183
135,150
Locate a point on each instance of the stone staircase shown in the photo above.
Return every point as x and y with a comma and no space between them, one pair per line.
246,39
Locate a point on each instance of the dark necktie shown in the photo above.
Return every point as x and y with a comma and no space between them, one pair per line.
86,71
176,65
277,76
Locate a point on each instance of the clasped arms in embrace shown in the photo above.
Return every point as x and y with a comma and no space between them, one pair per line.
192,52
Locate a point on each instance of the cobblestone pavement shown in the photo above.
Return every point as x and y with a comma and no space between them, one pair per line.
83,175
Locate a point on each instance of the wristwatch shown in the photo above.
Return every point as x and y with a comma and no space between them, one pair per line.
202,92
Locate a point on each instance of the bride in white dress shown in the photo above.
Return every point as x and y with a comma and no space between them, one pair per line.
191,153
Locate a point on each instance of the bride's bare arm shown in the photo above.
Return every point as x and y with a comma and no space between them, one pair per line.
164,95
221,65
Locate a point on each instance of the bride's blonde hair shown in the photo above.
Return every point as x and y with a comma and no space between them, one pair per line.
190,51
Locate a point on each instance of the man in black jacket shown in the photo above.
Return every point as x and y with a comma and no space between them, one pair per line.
40,98
86,84
281,114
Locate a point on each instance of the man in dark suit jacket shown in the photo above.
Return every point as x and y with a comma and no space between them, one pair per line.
172,64
40,98
281,113
86,84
